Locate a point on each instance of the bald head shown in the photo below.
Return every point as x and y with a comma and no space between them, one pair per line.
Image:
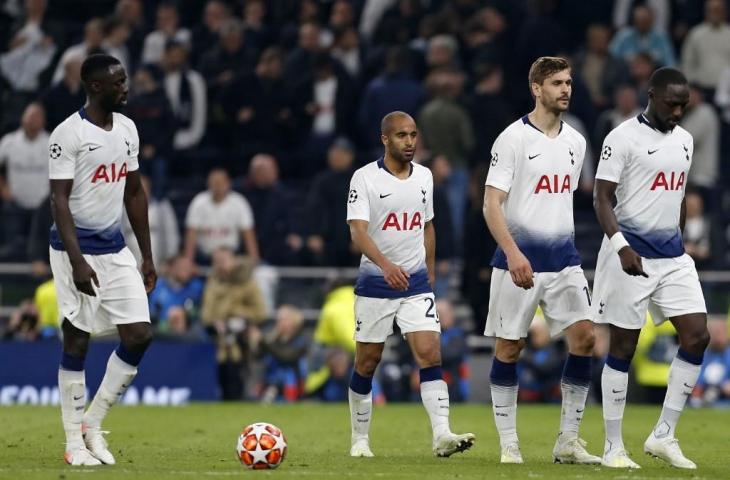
388,124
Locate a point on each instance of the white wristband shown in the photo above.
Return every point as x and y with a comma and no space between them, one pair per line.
618,241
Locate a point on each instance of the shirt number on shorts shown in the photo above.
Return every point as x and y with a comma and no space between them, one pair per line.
588,295
430,313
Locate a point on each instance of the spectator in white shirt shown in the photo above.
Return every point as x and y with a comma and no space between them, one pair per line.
168,28
703,123
24,185
219,217
93,38
706,51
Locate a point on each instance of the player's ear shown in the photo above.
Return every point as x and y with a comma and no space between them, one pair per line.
535,88
384,139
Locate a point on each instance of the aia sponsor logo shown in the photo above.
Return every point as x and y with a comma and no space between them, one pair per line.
553,184
109,173
403,221
668,181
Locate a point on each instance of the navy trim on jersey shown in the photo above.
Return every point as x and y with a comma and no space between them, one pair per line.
526,121
655,245
543,256
84,115
375,286
381,164
642,119
92,242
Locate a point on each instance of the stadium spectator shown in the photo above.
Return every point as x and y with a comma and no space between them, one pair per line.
116,35
275,212
641,67
540,366
168,30
45,301
206,35
442,53
626,105
644,36
219,218
65,97
706,50
490,112
393,90
697,229
164,231
178,287
23,325
600,70
328,238
661,9
701,120
185,89
713,386
454,353
282,351
150,109
92,43
722,102
131,13
257,33
348,51
24,185
443,226
299,62
227,59
180,326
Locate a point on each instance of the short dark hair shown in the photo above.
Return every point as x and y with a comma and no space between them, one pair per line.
543,67
96,63
665,76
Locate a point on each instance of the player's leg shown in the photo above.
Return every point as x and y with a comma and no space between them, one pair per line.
683,374
121,368
360,396
72,390
426,348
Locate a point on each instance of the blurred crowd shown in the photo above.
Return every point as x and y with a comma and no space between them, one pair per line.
253,115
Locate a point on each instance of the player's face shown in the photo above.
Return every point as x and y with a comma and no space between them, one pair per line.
401,142
669,105
554,93
113,89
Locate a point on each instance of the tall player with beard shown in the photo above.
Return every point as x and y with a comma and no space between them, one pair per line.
390,212
528,207
93,171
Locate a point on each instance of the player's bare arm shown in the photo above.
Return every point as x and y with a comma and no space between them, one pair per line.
683,214
83,274
429,241
519,266
191,239
135,202
603,195
395,276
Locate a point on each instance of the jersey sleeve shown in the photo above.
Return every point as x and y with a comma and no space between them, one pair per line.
502,166
62,153
133,148
358,200
192,218
429,198
580,162
246,219
614,157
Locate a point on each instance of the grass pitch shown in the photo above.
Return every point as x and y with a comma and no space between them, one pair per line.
198,442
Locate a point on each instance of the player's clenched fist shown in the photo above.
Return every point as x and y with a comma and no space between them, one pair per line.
631,262
395,276
520,270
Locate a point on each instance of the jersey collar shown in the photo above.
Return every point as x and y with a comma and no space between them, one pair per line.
381,164
526,121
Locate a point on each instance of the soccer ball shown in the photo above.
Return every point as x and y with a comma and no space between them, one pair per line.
261,446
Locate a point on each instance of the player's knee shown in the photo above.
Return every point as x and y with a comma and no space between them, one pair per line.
697,342
365,365
586,341
509,350
138,339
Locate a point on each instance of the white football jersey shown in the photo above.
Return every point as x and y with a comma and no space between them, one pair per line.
539,174
397,211
650,168
98,162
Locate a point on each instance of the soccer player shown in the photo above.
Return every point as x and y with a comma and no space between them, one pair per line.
390,212
528,206
642,264
94,173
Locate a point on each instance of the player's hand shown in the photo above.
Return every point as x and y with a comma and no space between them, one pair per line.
396,277
520,270
431,279
83,275
149,274
631,262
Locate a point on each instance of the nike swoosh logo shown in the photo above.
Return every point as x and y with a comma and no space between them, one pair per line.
95,148
358,413
689,386
79,397
501,406
440,399
580,411
652,151
617,391
530,157
383,196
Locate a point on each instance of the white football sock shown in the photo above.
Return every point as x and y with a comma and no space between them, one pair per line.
682,379
118,377
574,403
504,406
435,398
72,390
361,410
614,384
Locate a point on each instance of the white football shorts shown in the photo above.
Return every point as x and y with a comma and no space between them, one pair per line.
120,298
374,317
563,296
672,289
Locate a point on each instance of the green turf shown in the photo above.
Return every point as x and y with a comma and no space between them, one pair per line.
198,442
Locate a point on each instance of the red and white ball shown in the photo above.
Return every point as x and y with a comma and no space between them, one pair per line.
261,446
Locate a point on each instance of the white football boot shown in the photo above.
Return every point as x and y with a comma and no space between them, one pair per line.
573,451
97,444
617,458
361,448
451,443
511,454
81,456
668,450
